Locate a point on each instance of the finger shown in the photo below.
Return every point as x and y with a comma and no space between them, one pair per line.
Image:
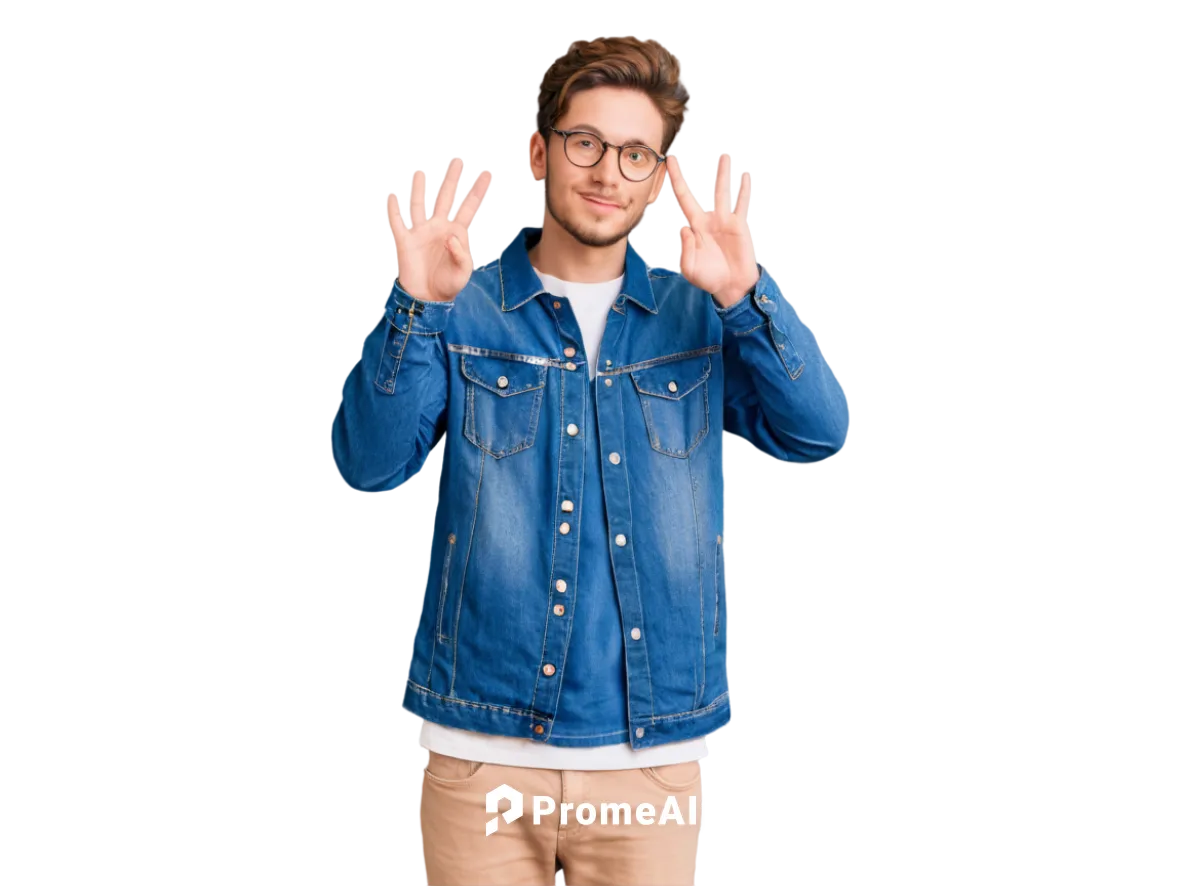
681,190
417,187
722,185
447,191
744,196
472,201
396,224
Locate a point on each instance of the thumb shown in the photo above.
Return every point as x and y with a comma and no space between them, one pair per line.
456,249
688,247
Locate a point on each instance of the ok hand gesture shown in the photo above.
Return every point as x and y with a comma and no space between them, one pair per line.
716,250
434,262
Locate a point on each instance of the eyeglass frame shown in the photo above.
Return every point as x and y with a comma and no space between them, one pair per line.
606,144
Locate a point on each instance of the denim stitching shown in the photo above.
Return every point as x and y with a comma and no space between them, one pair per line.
701,591
643,364
455,646
452,699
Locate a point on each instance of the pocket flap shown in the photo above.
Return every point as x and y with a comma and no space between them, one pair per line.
502,376
672,380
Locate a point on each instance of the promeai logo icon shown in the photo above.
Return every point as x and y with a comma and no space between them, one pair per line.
492,800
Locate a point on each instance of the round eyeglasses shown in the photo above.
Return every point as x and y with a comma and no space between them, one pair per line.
637,162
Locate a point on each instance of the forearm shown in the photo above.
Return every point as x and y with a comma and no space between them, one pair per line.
394,401
780,392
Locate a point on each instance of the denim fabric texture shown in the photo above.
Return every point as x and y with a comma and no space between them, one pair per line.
501,372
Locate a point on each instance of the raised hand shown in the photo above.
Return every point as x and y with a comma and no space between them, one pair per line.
434,261
716,250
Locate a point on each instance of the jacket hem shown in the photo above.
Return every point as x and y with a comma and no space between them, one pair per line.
497,719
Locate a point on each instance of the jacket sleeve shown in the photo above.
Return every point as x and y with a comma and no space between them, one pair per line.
394,403
779,392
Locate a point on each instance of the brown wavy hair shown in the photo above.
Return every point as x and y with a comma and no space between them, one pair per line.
644,65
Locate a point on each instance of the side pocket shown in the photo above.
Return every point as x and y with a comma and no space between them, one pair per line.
451,546
718,575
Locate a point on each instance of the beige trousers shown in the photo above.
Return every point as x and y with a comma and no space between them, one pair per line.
590,847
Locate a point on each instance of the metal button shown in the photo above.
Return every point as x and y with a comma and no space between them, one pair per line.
673,386
451,537
620,540
548,669
636,633
763,297
608,362
614,458
558,304
572,429
568,506
639,731
571,366
564,528
608,382
539,729
502,382
560,586
559,609
570,352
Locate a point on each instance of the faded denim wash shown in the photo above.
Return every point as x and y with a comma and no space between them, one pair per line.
534,446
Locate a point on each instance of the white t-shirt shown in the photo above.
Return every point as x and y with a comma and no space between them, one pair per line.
591,302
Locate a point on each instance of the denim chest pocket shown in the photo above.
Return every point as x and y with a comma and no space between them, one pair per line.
673,400
503,398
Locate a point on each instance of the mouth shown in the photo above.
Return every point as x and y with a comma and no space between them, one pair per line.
600,205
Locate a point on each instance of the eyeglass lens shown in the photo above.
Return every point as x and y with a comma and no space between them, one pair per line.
636,161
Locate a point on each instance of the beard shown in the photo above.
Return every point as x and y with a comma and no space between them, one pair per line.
587,233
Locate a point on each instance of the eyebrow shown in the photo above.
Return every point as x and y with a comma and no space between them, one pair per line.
588,127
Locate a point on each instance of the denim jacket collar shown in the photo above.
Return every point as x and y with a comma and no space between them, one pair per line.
520,282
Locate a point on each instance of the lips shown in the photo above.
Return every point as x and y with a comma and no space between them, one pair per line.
600,200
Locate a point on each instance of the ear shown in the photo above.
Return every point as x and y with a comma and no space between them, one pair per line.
537,156
658,180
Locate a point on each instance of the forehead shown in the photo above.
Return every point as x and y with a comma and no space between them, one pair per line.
621,116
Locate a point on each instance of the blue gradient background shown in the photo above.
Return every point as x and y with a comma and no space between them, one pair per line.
200,634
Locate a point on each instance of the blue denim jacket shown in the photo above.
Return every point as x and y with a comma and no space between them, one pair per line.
557,488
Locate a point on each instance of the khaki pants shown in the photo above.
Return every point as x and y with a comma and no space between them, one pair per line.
458,851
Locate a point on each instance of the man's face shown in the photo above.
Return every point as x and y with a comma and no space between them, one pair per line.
621,116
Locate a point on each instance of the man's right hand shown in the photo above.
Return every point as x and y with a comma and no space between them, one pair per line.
434,261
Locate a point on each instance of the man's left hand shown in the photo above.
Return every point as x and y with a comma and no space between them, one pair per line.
717,254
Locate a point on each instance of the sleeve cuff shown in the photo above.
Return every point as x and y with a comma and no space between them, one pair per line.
744,314
413,315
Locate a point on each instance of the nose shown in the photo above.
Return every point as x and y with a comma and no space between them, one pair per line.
607,170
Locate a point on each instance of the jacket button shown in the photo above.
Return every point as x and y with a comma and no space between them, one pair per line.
539,729
614,458
557,304
607,381
570,352
620,540
564,528
571,366
572,429
608,362
673,386
451,537
568,506
559,609
720,539
560,586
502,382
636,633
548,670
639,731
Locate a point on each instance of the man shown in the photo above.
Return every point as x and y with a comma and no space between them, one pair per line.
572,640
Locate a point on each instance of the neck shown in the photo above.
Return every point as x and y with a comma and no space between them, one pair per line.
559,254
